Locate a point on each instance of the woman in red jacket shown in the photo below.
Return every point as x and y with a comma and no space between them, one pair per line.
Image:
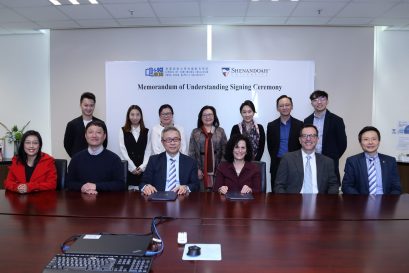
31,170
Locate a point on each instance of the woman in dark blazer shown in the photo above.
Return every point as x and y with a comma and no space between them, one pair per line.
238,173
134,145
249,128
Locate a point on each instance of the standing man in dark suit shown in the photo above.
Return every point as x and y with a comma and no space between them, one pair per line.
331,129
370,172
282,135
305,171
74,137
170,170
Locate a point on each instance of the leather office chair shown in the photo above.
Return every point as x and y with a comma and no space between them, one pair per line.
263,175
125,170
61,166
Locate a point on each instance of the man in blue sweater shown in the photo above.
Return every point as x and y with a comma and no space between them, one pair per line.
95,169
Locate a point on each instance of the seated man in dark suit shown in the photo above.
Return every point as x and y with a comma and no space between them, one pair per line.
370,172
96,168
170,170
304,170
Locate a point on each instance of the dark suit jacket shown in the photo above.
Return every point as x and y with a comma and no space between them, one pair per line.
226,176
74,137
290,174
273,139
155,172
236,131
355,179
334,138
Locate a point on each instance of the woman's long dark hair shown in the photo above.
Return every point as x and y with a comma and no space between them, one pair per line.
21,155
128,122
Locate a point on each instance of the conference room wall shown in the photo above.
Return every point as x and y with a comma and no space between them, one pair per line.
78,64
343,59
391,92
25,84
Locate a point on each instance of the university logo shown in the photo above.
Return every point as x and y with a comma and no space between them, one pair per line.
225,71
154,72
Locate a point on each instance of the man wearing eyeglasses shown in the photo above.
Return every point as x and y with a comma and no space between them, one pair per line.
331,129
170,170
305,171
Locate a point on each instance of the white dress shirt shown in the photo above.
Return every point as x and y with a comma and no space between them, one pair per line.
136,131
168,163
319,123
313,164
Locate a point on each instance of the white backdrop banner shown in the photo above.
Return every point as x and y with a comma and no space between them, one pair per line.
189,85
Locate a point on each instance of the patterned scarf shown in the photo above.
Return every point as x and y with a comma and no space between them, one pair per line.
252,134
208,168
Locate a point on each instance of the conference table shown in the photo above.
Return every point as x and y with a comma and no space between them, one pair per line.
272,233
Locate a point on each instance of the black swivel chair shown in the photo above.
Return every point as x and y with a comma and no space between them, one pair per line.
61,166
125,170
262,166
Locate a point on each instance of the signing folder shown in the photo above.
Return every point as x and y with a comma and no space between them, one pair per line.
239,196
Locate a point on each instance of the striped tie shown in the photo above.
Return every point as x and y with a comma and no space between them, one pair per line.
308,176
372,176
171,181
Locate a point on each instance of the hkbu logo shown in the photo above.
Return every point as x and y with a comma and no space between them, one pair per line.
225,71
154,72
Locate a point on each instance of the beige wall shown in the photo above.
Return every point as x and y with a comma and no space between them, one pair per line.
25,84
391,91
78,64
343,57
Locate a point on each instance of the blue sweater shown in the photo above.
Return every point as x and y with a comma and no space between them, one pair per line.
105,170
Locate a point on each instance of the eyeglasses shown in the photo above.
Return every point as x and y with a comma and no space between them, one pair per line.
207,115
170,140
166,114
305,136
320,99
31,143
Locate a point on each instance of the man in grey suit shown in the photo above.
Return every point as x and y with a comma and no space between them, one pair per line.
305,171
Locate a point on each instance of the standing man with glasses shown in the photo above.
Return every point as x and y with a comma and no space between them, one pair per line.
371,172
305,171
282,134
331,129
170,170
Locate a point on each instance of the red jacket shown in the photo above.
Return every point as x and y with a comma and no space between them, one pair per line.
44,176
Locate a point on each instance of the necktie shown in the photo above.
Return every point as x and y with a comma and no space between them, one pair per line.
171,181
372,176
308,176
